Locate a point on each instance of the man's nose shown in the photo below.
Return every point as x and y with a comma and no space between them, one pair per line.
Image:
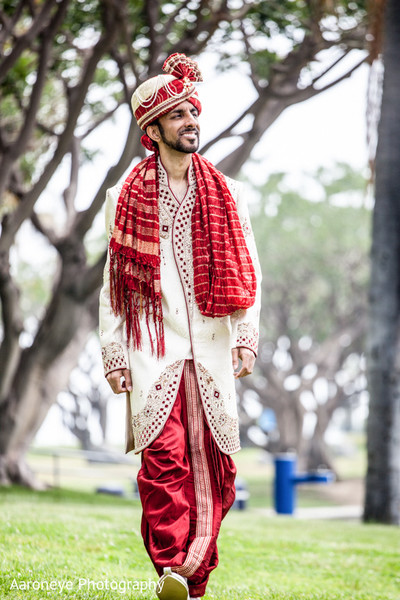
191,119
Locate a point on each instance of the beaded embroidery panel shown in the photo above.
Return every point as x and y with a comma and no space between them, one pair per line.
148,423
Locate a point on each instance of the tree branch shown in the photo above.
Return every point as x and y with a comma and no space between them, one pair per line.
227,132
313,91
327,355
71,190
248,48
127,36
190,44
25,40
172,17
331,66
85,218
121,64
92,278
9,24
29,120
46,129
266,110
101,120
16,149
153,20
48,233
265,113
76,100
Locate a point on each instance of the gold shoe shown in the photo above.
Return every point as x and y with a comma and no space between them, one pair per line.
172,586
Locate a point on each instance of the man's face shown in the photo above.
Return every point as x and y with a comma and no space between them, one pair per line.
179,129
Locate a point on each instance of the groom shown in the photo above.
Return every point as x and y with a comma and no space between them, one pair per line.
179,313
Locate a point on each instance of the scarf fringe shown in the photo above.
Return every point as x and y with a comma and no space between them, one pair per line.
133,295
146,260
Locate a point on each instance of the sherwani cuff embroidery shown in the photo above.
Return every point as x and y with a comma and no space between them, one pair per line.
247,337
113,355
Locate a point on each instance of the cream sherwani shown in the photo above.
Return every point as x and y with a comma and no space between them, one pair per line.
188,334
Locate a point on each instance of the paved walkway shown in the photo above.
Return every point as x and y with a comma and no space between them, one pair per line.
344,512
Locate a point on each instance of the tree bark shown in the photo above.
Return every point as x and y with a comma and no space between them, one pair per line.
382,500
34,392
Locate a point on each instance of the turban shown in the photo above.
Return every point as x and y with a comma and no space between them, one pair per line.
161,94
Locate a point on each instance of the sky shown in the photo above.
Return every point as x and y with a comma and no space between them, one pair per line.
325,129
329,128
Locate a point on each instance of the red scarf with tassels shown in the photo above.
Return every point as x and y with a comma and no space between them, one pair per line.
224,277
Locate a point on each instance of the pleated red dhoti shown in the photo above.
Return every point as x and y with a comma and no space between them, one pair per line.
186,487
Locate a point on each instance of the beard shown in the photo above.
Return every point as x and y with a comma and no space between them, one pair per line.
179,144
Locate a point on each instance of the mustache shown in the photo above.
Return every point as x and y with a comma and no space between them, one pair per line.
189,130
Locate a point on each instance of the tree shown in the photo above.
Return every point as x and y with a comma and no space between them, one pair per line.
66,68
382,501
313,319
85,400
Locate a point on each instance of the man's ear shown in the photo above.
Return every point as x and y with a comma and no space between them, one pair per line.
153,132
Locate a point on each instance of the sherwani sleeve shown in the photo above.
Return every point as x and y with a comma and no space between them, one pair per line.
112,328
247,324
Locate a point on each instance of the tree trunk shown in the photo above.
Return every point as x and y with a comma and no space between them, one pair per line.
36,387
382,502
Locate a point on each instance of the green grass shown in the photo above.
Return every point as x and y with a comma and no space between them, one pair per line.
64,536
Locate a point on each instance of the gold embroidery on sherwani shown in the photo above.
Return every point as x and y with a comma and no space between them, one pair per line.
247,336
148,422
113,357
225,429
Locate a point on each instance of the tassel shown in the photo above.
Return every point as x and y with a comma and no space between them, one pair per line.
182,66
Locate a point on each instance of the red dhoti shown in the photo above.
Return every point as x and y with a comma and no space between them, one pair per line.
186,486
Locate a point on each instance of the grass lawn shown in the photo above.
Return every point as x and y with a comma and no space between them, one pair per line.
63,537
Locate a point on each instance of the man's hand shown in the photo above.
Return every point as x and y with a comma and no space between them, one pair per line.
248,359
120,381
